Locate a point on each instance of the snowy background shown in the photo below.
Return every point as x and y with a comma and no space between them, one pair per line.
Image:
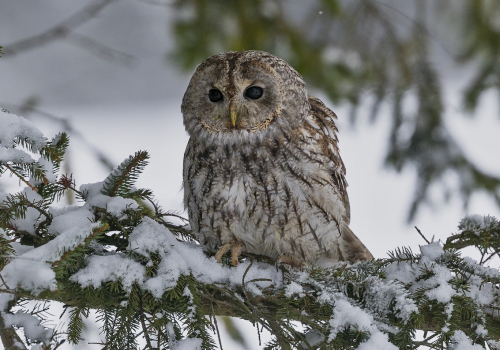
123,108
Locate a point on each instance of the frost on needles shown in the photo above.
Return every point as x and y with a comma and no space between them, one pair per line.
153,286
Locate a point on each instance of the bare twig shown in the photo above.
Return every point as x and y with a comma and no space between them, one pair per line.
488,258
216,325
245,275
4,283
162,3
101,50
258,334
481,262
421,234
59,31
420,26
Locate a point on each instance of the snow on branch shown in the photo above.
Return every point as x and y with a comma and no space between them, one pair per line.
148,279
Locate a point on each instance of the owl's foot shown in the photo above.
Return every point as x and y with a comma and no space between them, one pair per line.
293,262
236,250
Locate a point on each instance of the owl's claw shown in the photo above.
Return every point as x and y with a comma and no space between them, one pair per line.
236,250
222,250
293,262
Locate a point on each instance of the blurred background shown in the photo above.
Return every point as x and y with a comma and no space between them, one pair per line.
415,84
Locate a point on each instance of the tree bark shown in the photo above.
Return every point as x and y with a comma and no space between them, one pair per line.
10,339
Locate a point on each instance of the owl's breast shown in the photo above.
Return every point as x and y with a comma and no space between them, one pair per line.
271,199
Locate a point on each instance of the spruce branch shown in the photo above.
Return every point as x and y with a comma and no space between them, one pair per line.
70,254
33,170
55,149
399,295
75,325
18,293
16,205
123,177
178,230
6,251
19,176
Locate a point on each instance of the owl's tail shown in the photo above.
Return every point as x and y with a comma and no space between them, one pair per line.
352,248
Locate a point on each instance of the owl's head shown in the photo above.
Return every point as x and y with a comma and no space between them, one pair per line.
242,96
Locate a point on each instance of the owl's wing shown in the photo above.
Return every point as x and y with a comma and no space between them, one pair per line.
351,247
324,118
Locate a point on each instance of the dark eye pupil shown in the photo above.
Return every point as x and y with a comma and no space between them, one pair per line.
215,95
254,92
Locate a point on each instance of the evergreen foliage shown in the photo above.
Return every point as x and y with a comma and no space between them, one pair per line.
160,301
386,51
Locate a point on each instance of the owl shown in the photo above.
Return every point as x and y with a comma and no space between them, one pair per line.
262,172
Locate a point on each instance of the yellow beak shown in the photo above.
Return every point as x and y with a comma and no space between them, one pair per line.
234,114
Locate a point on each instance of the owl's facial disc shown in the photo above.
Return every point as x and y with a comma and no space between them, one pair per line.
232,93
243,96
247,99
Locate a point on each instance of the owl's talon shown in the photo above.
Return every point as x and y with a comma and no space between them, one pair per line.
293,262
222,250
236,250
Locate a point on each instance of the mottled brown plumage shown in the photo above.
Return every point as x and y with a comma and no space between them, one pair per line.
262,170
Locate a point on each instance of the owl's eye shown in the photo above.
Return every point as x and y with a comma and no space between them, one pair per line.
254,92
215,95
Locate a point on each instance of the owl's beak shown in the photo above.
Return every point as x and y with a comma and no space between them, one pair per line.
234,114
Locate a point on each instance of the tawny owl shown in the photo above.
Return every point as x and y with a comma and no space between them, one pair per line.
262,170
